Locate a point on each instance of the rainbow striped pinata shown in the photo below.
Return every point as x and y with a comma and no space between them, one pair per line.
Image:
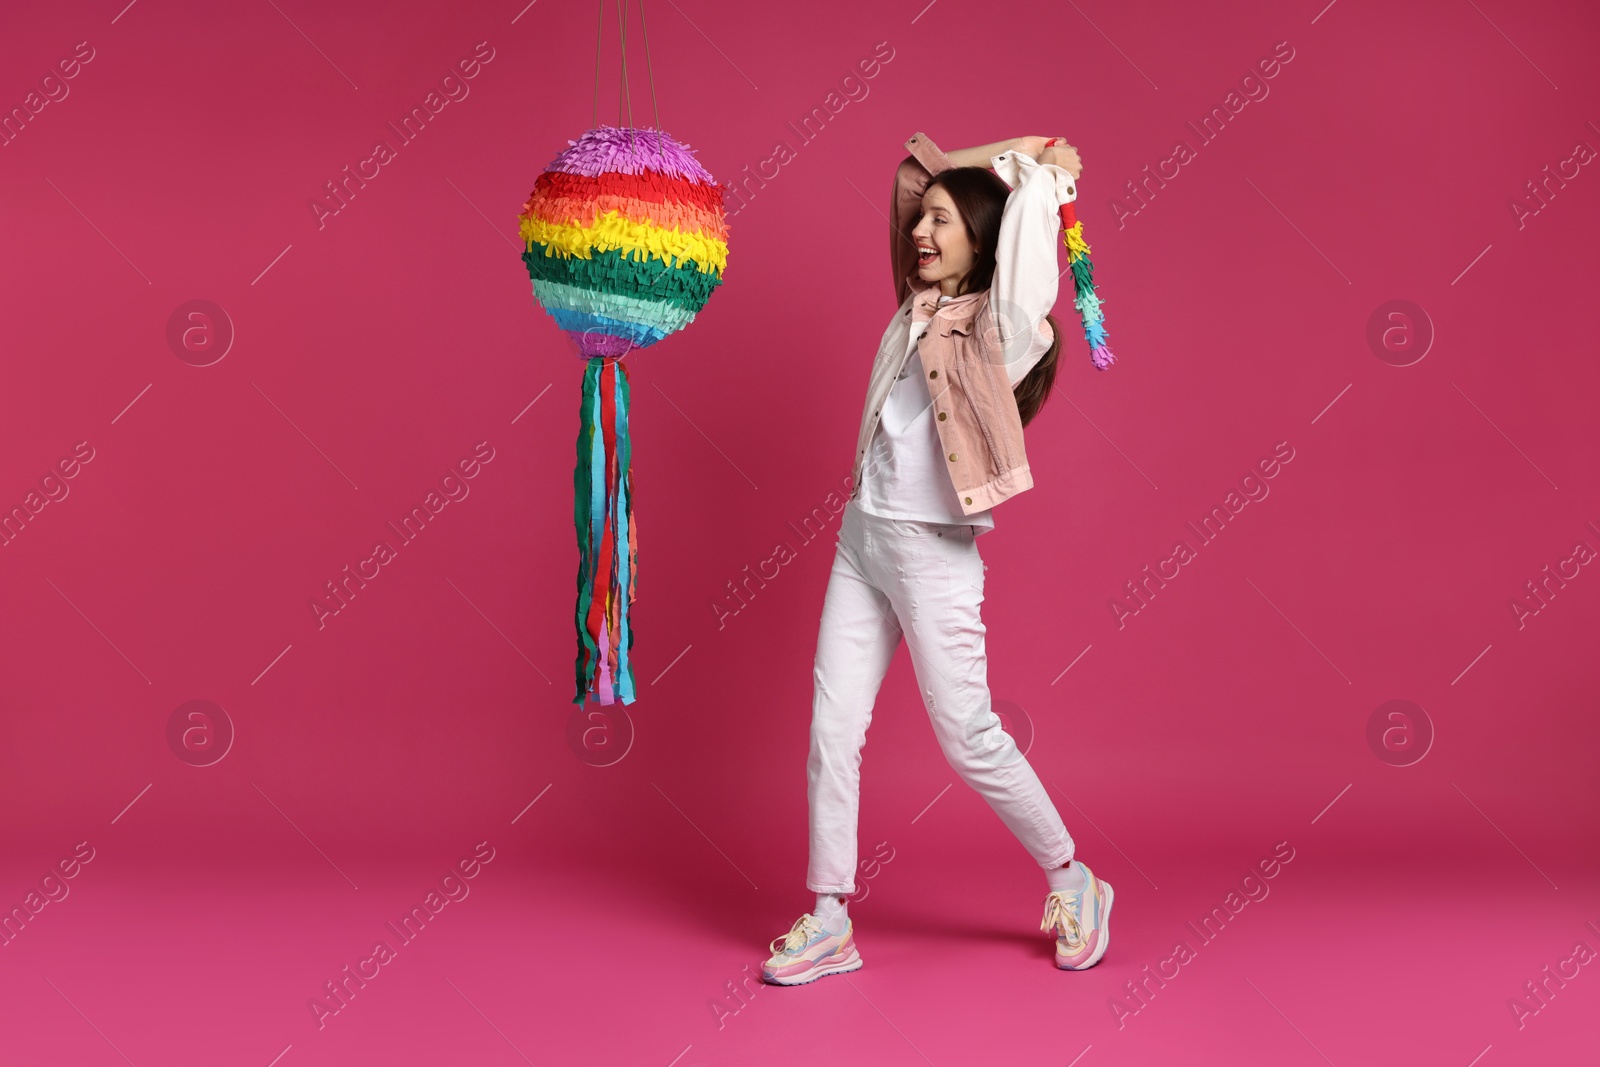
625,240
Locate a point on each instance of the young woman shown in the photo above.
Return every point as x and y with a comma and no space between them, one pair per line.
966,362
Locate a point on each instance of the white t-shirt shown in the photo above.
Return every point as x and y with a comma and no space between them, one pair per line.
903,475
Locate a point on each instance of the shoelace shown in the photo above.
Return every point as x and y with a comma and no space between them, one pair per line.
1062,910
802,931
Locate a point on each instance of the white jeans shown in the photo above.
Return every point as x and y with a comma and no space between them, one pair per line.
924,581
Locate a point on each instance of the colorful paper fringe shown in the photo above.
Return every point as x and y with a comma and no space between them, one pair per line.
1085,298
603,517
625,239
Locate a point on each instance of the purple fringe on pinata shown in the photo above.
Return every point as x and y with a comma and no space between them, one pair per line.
629,150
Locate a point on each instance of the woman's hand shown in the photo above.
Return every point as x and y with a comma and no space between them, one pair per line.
1064,156
1029,146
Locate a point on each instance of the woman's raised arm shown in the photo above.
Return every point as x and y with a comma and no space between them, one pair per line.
1026,275
982,154
905,204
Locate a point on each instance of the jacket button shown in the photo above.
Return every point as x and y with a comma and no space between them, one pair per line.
933,374
952,457
968,499
941,416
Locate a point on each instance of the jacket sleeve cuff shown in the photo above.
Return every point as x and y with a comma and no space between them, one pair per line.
1015,168
924,151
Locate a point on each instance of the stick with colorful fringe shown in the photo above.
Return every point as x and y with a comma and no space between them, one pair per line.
1084,299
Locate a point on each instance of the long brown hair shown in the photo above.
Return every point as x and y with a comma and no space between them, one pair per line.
980,198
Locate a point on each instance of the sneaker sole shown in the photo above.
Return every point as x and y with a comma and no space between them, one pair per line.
1105,935
851,962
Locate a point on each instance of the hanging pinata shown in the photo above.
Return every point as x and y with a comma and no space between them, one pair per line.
625,240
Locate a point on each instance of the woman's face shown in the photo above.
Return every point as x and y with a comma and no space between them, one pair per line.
945,253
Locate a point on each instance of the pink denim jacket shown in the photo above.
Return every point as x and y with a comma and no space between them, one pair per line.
978,345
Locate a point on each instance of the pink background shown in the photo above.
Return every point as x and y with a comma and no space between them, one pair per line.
375,352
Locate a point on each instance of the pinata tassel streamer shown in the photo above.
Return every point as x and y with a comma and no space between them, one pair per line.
1085,299
607,538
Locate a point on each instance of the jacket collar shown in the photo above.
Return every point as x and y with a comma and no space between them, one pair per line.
955,313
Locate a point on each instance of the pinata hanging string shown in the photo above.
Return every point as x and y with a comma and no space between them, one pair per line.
624,91
649,71
599,35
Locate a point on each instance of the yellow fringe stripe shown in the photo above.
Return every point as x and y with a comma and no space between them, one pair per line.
611,231
1076,245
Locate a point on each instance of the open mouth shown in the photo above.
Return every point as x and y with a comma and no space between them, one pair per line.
926,256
